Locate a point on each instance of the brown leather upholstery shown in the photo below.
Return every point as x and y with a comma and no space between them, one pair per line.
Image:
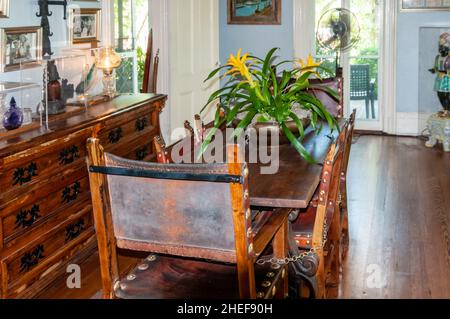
166,277
335,107
192,211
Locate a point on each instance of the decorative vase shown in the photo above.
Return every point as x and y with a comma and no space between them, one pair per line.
266,128
13,118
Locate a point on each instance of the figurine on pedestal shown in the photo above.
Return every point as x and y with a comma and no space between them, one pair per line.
442,71
439,124
57,94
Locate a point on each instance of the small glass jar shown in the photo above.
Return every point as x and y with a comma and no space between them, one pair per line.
27,116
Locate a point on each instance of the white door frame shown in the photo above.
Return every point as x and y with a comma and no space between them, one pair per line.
159,17
304,22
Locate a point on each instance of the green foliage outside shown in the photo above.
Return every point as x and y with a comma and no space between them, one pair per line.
368,14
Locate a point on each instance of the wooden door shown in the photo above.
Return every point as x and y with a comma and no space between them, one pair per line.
194,53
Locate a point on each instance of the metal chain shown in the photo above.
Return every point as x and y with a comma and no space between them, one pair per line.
288,260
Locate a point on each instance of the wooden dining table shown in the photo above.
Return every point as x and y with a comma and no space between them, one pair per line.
296,180
294,183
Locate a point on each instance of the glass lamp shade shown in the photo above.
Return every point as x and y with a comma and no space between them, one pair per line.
108,59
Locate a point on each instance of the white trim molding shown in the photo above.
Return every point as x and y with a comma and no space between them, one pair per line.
389,58
304,21
411,124
159,17
107,23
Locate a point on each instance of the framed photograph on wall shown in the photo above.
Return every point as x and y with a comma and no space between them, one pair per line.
20,47
85,25
254,12
422,5
4,8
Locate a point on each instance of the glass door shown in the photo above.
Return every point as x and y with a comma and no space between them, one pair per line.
131,30
361,64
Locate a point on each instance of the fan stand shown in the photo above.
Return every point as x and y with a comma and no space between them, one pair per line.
337,62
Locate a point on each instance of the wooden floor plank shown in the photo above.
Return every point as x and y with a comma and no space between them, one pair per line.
399,215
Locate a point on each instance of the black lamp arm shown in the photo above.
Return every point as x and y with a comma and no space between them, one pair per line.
43,7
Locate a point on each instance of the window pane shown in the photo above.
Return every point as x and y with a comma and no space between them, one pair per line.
364,88
132,27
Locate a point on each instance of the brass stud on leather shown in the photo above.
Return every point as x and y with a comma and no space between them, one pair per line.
248,214
246,194
260,295
275,266
123,286
250,249
131,277
270,275
151,258
283,273
246,172
266,284
274,291
249,233
143,267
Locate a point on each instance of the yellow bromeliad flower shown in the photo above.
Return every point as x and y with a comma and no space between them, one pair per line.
239,66
309,66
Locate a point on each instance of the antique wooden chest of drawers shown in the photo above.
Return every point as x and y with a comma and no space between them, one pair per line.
45,207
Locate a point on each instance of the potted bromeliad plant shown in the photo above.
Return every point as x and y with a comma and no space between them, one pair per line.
255,93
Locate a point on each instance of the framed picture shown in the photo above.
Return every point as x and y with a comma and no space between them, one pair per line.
4,8
20,47
85,25
254,12
422,5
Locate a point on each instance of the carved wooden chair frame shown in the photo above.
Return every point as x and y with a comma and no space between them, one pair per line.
249,246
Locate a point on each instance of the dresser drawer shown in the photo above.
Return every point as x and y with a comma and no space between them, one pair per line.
141,150
115,137
24,169
21,266
20,215
19,223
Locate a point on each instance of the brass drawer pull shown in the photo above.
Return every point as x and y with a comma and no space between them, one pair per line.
26,218
115,135
74,230
25,175
32,258
69,155
70,193
142,153
141,124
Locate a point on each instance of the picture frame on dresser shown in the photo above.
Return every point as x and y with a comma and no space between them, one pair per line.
424,5
85,25
21,47
4,8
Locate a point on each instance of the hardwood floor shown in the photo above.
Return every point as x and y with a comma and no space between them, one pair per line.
399,211
399,205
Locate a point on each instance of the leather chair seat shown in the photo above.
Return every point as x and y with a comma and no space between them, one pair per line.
167,277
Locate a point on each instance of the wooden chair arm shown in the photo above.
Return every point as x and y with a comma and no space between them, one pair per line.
273,224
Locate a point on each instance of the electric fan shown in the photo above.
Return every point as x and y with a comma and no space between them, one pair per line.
338,31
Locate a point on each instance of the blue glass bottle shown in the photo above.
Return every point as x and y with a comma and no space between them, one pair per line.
13,118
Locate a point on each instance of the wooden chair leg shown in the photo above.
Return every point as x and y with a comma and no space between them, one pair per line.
320,293
345,239
280,249
333,273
